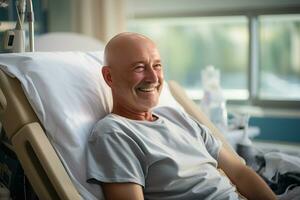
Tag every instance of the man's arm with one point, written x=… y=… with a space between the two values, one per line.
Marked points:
x=248 y=183
x=122 y=191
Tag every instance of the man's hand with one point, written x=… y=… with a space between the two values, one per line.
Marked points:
x=248 y=183
x=122 y=191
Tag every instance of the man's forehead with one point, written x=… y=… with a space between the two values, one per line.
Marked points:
x=131 y=47
x=138 y=47
x=141 y=52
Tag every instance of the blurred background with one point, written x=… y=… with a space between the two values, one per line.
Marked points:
x=254 y=44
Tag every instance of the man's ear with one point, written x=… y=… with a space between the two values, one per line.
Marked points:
x=107 y=75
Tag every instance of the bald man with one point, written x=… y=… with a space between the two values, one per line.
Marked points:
x=141 y=152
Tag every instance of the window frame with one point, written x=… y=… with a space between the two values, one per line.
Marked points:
x=254 y=64
x=252 y=16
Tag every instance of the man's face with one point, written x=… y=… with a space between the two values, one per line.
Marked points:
x=137 y=76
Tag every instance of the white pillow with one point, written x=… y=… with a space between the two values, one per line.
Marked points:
x=69 y=95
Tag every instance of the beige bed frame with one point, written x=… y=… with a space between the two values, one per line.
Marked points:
x=38 y=158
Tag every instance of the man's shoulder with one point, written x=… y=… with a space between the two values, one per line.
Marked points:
x=109 y=122
x=107 y=127
x=169 y=112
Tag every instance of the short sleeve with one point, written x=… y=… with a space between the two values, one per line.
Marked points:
x=212 y=144
x=114 y=157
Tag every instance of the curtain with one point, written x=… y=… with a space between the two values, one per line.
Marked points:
x=100 y=19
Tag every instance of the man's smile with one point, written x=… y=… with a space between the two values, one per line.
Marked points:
x=148 y=88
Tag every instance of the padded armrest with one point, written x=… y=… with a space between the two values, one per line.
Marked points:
x=42 y=165
x=190 y=107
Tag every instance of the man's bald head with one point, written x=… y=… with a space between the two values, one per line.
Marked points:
x=121 y=44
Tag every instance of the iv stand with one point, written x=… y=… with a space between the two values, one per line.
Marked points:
x=14 y=40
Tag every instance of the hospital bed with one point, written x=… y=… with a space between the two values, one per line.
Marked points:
x=48 y=104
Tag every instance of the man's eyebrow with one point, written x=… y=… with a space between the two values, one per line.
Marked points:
x=143 y=62
x=138 y=62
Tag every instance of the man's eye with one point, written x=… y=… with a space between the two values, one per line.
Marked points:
x=157 y=66
x=139 y=68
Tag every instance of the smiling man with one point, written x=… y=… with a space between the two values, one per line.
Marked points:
x=141 y=152
x=133 y=70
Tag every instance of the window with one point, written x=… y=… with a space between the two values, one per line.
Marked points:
x=258 y=54
x=188 y=45
x=280 y=57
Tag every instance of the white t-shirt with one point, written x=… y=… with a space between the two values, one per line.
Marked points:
x=173 y=158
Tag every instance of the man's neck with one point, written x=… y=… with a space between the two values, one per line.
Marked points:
x=143 y=116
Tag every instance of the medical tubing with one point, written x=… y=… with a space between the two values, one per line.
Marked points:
x=30 y=19
x=20 y=7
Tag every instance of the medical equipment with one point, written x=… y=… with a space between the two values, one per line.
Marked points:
x=213 y=102
x=3 y=3
x=244 y=125
x=14 y=40
x=62 y=95
x=244 y=147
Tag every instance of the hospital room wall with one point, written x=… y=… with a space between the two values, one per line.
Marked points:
x=59 y=16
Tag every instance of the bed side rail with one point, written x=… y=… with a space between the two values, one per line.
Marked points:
x=42 y=165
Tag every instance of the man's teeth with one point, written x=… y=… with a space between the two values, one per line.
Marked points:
x=147 y=89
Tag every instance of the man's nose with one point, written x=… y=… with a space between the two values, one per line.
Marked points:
x=151 y=75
